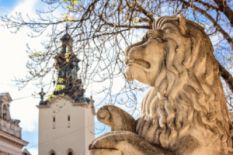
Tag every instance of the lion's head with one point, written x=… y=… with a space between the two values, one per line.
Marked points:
x=174 y=44
x=176 y=53
x=176 y=59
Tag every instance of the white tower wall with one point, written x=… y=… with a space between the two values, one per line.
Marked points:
x=65 y=125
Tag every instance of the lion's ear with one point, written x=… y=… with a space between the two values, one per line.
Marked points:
x=182 y=24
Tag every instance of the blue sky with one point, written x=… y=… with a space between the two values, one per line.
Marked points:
x=7 y=5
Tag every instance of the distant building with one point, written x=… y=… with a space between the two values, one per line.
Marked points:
x=11 y=142
x=66 y=119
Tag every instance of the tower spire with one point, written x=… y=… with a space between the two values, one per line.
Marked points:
x=66 y=63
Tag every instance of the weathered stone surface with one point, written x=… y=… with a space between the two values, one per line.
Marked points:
x=185 y=112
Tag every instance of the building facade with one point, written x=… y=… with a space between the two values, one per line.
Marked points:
x=11 y=142
x=66 y=118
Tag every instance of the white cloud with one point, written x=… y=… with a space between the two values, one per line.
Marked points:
x=12 y=64
x=26 y=111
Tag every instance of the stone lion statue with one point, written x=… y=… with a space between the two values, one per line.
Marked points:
x=185 y=111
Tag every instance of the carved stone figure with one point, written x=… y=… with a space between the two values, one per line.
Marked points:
x=185 y=111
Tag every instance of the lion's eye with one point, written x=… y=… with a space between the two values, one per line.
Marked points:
x=158 y=39
x=168 y=30
x=144 y=38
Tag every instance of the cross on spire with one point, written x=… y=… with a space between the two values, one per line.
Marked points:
x=42 y=94
x=67 y=27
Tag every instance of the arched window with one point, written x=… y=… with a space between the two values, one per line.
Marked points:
x=52 y=152
x=70 y=152
x=5 y=112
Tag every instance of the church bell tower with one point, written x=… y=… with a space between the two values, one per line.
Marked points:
x=66 y=118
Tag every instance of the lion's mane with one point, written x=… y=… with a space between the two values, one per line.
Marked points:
x=187 y=92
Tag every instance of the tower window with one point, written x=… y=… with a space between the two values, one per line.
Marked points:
x=54 y=122
x=70 y=152
x=68 y=123
x=52 y=153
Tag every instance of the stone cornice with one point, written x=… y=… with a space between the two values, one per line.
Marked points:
x=13 y=139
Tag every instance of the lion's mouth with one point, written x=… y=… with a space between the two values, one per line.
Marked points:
x=140 y=62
